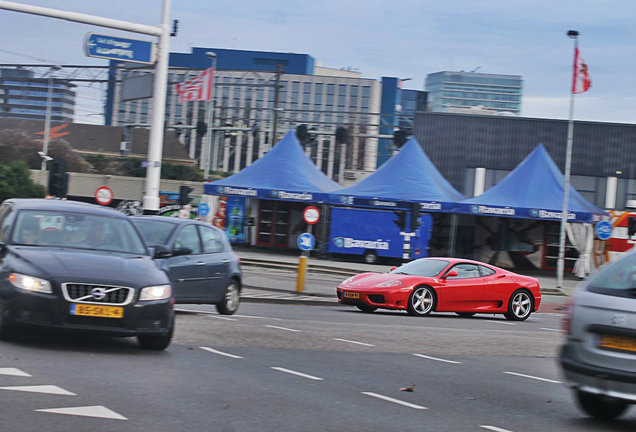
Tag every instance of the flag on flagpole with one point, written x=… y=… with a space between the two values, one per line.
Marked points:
x=198 y=88
x=582 y=80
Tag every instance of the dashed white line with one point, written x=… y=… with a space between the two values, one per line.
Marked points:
x=396 y=401
x=437 y=359
x=501 y=322
x=300 y=374
x=98 y=411
x=534 y=377
x=281 y=328
x=220 y=353
x=222 y=318
x=258 y=317
x=551 y=329
x=353 y=342
x=13 y=372
x=494 y=428
x=49 y=389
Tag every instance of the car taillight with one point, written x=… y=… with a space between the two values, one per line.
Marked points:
x=566 y=324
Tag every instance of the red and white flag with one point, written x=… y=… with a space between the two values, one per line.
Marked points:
x=198 y=88
x=582 y=80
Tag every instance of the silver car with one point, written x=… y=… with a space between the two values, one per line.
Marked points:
x=598 y=358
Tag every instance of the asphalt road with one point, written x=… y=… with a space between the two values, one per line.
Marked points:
x=278 y=367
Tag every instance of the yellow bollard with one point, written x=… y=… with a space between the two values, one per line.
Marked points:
x=302 y=269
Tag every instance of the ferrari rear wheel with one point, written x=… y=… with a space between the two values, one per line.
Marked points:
x=422 y=301
x=366 y=308
x=519 y=306
x=465 y=314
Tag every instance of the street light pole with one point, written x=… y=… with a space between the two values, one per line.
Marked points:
x=47 y=117
x=209 y=139
x=572 y=34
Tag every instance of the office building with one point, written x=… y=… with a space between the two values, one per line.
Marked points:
x=474 y=93
x=23 y=95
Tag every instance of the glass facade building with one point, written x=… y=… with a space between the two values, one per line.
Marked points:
x=474 y=93
x=24 y=96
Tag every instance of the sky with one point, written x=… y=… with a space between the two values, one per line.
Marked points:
x=400 y=38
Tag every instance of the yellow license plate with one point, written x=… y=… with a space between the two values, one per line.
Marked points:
x=618 y=342
x=97 y=311
x=348 y=294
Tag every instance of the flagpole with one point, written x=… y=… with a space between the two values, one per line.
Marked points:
x=573 y=34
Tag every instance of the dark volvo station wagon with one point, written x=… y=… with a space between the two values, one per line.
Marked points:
x=78 y=266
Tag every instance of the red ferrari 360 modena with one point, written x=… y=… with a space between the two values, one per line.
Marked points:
x=444 y=285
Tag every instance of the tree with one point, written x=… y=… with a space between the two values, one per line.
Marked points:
x=15 y=182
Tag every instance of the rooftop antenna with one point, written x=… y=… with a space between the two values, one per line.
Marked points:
x=476 y=69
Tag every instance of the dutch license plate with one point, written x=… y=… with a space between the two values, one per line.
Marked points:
x=354 y=295
x=618 y=343
x=97 y=311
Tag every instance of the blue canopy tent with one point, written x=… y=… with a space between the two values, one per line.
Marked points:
x=408 y=177
x=284 y=173
x=533 y=190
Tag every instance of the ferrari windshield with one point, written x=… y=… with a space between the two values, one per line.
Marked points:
x=422 y=267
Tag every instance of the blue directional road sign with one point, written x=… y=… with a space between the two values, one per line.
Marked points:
x=603 y=230
x=119 y=48
x=306 y=241
x=203 y=209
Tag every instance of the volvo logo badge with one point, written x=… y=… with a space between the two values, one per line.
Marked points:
x=98 y=293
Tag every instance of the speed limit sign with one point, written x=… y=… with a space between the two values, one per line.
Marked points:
x=311 y=215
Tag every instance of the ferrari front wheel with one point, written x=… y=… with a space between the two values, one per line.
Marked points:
x=421 y=301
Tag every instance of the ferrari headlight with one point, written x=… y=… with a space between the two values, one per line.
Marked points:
x=390 y=283
x=158 y=292
x=30 y=283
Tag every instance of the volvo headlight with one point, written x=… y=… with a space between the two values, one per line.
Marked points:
x=158 y=292
x=30 y=283
x=390 y=283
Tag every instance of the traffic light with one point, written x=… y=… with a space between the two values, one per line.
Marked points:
x=184 y=195
x=58 y=178
x=399 y=137
x=175 y=28
x=401 y=219
x=342 y=135
x=302 y=133
x=202 y=128
x=415 y=217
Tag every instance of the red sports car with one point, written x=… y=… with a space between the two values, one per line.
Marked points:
x=444 y=285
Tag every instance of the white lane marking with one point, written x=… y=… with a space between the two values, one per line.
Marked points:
x=87 y=411
x=436 y=359
x=50 y=389
x=281 y=328
x=208 y=313
x=549 y=329
x=222 y=318
x=220 y=353
x=397 y=401
x=501 y=322
x=353 y=342
x=13 y=372
x=534 y=377
x=258 y=317
x=300 y=374
x=494 y=428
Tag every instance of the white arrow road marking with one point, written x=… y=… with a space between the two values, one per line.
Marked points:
x=13 y=371
x=87 y=411
x=50 y=389
x=397 y=401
